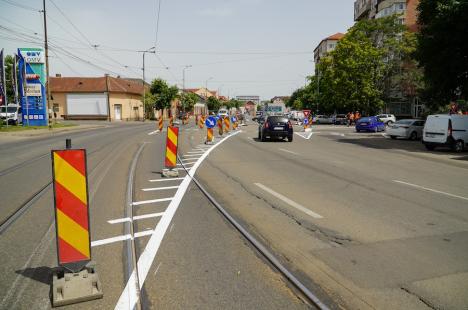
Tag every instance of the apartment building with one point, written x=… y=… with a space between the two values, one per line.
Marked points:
x=326 y=46
x=369 y=9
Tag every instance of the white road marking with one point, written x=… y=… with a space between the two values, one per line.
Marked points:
x=120 y=238
x=304 y=135
x=195 y=152
x=144 y=202
x=158 y=188
x=287 y=151
x=157 y=268
x=197 y=155
x=289 y=201
x=137 y=217
x=337 y=134
x=431 y=190
x=153 y=132
x=129 y=297
x=164 y=180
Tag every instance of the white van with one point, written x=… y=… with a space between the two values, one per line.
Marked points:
x=446 y=130
x=12 y=113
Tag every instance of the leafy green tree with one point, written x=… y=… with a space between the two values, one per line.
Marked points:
x=163 y=94
x=443 y=50
x=213 y=103
x=188 y=100
x=9 y=60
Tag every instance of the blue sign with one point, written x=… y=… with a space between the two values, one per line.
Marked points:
x=306 y=121
x=210 y=122
x=233 y=119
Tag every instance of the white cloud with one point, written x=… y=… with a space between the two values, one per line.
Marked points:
x=216 y=12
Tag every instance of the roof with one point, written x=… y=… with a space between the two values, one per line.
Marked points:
x=284 y=98
x=337 y=36
x=94 y=84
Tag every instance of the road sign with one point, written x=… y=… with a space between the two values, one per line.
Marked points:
x=210 y=122
x=71 y=208
x=306 y=121
x=171 y=147
x=233 y=119
x=306 y=113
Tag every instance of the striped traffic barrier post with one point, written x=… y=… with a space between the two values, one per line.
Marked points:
x=227 y=124
x=201 y=121
x=76 y=279
x=209 y=135
x=160 y=123
x=170 y=161
x=220 y=126
x=171 y=121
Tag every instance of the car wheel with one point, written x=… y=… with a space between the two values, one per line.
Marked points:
x=459 y=146
x=262 y=138
x=393 y=137
x=357 y=130
x=413 y=135
x=290 y=138
x=389 y=123
x=429 y=147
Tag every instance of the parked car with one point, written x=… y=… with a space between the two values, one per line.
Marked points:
x=323 y=119
x=12 y=113
x=371 y=123
x=275 y=127
x=258 y=116
x=340 y=119
x=446 y=130
x=388 y=119
x=406 y=128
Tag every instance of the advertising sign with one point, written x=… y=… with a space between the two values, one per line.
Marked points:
x=31 y=83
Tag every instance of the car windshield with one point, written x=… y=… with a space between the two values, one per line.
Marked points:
x=9 y=109
x=404 y=122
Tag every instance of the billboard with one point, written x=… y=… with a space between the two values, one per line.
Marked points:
x=31 y=82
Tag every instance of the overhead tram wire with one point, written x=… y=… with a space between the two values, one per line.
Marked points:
x=21 y=6
x=157 y=23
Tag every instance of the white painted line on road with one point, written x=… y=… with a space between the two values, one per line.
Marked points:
x=158 y=188
x=431 y=190
x=337 y=134
x=289 y=201
x=138 y=217
x=195 y=152
x=129 y=297
x=164 y=180
x=145 y=202
x=120 y=238
x=287 y=151
x=192 y=155
x=153 y=132
x=304 y=135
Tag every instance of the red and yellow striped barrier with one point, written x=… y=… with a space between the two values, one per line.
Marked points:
x=160 y=123
x=171 y=147
x=227 y=124
x=201 y=121
x=71 y=208
x=220 y=126
x=209 y=135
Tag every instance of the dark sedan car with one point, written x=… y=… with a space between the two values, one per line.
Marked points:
x=275 y=127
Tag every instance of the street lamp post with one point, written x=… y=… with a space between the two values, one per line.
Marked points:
x=150 y=50
x=206 y=86
x=183 y=76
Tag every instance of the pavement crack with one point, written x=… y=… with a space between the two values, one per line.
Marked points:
x=427 y=303
x=323 y=234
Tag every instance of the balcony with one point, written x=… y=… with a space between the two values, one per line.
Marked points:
x=361 y=9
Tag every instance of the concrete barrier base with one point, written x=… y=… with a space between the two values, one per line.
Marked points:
x=170 y=173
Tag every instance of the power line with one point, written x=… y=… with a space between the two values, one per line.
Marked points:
x=157 y=23
x=21 y=6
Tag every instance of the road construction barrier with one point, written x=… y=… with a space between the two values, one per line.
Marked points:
x=171 y=121
x=209 y=135
x=227 y=124
x=71 y=201
x=201 y=121
x=170 y=161
x=220 y=126
x=160 y=123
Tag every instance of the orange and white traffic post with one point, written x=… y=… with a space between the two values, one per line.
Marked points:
x=209 y=135
x=201 y=120
x=227 y=124
x=77 y=279
x=170 y=161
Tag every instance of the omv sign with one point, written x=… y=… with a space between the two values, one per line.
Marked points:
x=33 y=57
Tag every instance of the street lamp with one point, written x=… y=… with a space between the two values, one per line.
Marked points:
x=183 y=76
x=150 y=50
x=206 y=86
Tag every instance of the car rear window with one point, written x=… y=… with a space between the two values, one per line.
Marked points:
x=278 y=119
x=366 y=119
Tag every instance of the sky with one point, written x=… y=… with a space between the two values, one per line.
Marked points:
x=237 y=47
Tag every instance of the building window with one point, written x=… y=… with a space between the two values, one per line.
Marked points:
x=56 y=107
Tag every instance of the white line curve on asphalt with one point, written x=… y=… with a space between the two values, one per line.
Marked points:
x=431 y=190
x=304 y=135
x=287 y=151
x=289 y=201
x=129 y=298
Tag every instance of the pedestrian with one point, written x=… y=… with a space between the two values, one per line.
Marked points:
x=351 y=118
x=453 y=108
x=357 y=116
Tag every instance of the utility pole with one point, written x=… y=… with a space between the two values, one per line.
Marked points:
x=183 y=82
x=150 y=50
x=206 y=87
x=46 y=48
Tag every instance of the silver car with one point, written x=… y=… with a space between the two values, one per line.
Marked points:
x=406 y=128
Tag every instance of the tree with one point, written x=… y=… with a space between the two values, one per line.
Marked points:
x=443 y=50
x=163 y=94
x=188 y=100
x=213 y=103
x=9 y=60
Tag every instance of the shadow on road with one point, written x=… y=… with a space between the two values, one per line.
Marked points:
x=415 y=147
x=41 y=274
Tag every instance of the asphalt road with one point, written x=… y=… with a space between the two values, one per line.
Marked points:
x=365 y=221
x=201 y=261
